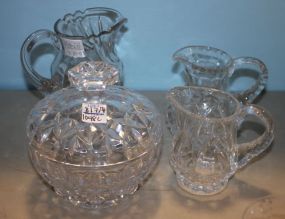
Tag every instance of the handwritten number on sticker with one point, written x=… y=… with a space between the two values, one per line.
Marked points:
x=94 y=113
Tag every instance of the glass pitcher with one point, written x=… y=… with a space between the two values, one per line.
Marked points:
x=206 y=66
x=211 y=67
x=205 y=152
x=88 y=35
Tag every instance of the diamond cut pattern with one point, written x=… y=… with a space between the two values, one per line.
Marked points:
x=92 y=164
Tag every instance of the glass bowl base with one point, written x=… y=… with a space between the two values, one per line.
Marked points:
x=98 y=202
x=198 y=189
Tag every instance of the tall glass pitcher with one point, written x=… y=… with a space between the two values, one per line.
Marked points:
x=88 y=35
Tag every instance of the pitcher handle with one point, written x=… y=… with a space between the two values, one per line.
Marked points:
x=248 y=95
x=251 y=149
x=43 y=84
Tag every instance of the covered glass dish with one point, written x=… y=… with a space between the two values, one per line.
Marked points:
x=94 y=142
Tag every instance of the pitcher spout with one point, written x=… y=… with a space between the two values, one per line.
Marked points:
x=182 y=55
x=117 y=27
x=93 y=22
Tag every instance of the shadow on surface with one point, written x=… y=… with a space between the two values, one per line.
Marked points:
x=236 y=190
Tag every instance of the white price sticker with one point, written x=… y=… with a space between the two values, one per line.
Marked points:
x=94 y=113
x=73 y=48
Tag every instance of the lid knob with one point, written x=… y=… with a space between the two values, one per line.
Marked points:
x=94 y=75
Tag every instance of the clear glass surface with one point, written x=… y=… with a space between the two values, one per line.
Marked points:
x=82 y=36
x=93 y=74
x=205 y=152
x=214 y=68
x=270 y=207
x=211 y=67
x=94 y=164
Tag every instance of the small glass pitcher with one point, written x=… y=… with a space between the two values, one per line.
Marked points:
x=210 y=67
x=205 y=151
x=90 y=35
